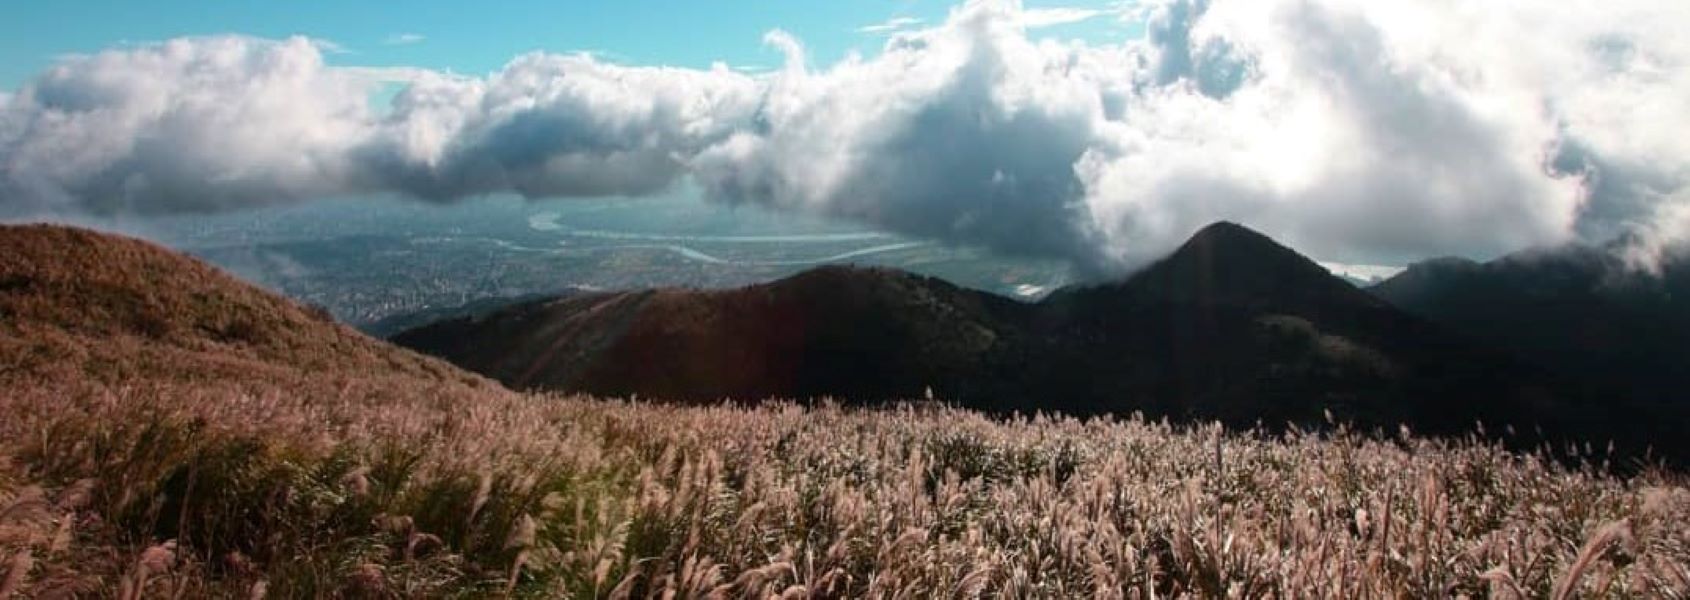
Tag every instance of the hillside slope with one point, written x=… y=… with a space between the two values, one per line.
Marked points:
x=864 y=334
x=80 y=309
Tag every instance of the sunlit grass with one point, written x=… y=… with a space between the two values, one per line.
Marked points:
x=198 y=491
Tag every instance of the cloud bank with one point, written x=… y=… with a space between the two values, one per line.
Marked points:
x=1358 y=131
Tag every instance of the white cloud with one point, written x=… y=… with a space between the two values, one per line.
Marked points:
x=550 y=125
x=403 y=39
x=1362 y=132
x=1033 y=18
x=1358 y=131
x=212 y=123
x=191 y=124
x=892 y=25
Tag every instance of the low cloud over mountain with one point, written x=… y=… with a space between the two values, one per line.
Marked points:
x=1358 y=131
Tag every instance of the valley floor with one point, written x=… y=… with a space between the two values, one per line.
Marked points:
x=189 y=490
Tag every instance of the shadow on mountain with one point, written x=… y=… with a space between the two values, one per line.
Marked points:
x=1231 y=326
x=1576 y=310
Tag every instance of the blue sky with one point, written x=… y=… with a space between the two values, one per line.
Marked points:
x=475 y=38
x=1362 y=132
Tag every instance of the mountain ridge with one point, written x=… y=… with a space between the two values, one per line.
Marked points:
x=1232 y=326
x=745 y=343
x=1576 y=309
x=85 y=311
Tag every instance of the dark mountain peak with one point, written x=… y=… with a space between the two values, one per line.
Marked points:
x=1228 y=245
x=1230 y=233
x=1228 y=263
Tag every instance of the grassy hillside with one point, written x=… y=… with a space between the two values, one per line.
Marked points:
x=77 y=305
x=300 y=459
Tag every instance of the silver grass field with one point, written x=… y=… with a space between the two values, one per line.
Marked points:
x=170 y=491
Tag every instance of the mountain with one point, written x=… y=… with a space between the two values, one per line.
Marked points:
x=81 y=310
x=168 y=431
x=1235 y=326
x=1231 y=326
x=1229 y=264
x=848 y=333
x=1579 y=310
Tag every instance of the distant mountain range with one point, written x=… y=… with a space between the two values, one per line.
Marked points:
x=1231 y=326
x=1577 y=310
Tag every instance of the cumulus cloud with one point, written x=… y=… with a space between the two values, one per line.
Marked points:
x=214 y=123
x=185 y=125
x=549 y=126
x=1359 y=131
x=965 y=132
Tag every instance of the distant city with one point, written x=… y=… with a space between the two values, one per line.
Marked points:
x=372 y=260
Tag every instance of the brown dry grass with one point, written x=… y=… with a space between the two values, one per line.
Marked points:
x=302 y=460
x=201 y=491
x=75 y=304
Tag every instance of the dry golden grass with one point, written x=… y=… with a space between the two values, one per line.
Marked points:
x=77 y=305
x=200 y=491
x=146 y=451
